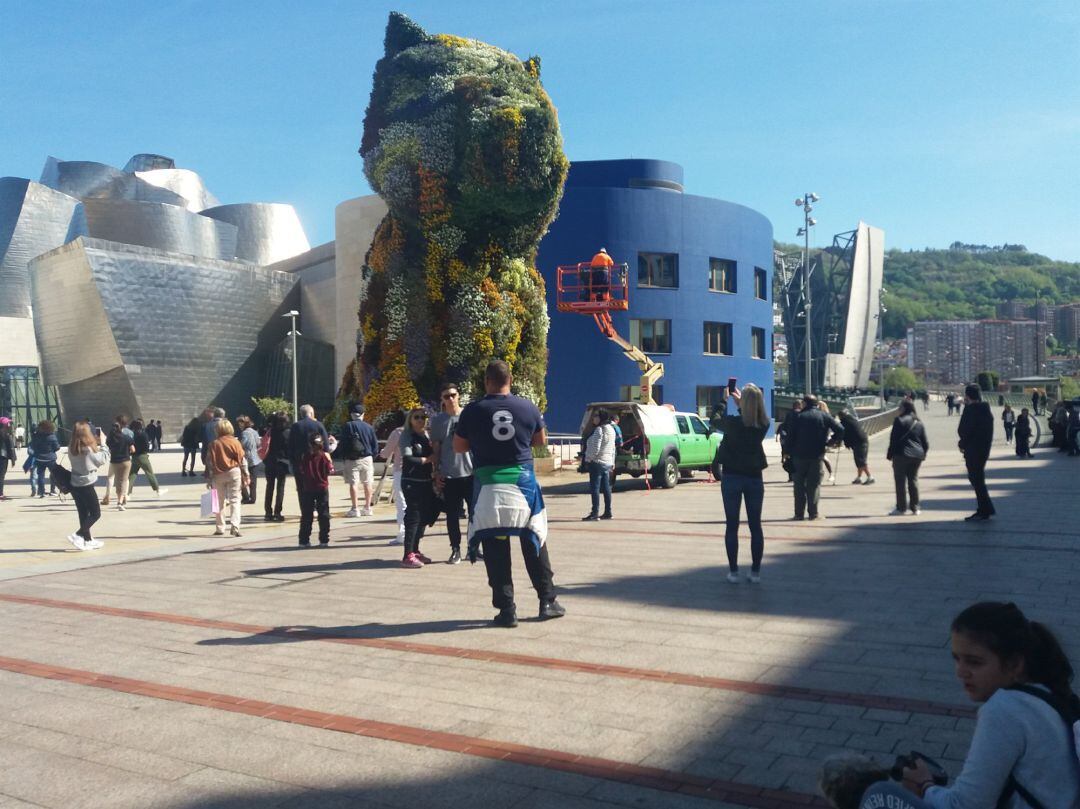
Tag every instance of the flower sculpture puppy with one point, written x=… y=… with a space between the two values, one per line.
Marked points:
x=463 y=144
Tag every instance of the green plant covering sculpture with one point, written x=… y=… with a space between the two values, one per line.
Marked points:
x=463 y=144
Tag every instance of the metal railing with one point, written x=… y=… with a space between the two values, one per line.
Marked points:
x=879 y=421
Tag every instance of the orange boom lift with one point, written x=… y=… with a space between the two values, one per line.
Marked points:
x=597 y=288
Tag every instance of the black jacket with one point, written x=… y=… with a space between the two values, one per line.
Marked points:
x=811 y=430
x=740 y=451
x=907 y=439
x=854 y=434
x=976 y=430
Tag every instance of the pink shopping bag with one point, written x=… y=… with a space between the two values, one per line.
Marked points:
x=209 y=503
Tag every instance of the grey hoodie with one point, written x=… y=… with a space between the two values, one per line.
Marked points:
x=84 y=467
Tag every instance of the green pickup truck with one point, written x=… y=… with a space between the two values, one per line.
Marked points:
x=659 y=441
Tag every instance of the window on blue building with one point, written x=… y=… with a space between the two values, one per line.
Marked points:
x=651 y=336
x=761 y=284
x=757 y=343
x=718 y=339
x=709 y=397
x=722 y=276
x=658 y=270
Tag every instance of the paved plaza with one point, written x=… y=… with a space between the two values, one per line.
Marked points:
x=174 y=669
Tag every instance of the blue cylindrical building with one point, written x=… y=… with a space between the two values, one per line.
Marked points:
x=700 y=290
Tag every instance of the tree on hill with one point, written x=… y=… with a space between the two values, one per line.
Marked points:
x=901 y=378
x=966 y=282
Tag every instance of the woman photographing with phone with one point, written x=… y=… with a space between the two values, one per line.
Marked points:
x=1022 y=755
x=742 y=460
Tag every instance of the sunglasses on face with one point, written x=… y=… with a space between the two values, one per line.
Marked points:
x=449 y=395
x=419 y=418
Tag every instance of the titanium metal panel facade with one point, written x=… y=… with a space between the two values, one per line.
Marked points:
x=184 y=183
x=267 y=232
x=154 y=334
x=163 y=227
x=33 y=219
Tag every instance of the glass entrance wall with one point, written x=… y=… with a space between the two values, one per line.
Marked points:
x=26 y=401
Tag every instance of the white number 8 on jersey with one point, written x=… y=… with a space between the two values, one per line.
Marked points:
x=503 y=427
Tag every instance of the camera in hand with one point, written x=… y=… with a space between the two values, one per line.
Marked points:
x=937 y=772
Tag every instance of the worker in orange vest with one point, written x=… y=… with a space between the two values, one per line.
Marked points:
x=600 y=280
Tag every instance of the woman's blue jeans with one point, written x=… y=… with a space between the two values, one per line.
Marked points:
x=600 y=481
x=37 y=478
x=736 y=488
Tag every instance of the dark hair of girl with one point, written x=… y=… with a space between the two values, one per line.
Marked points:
x=137 y=426
x=907 y=408
x=602 y=415
x=1003 y=629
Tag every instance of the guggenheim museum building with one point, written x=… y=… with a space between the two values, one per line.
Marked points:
x=135 y=291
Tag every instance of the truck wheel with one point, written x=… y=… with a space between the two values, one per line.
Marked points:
x=667 y=473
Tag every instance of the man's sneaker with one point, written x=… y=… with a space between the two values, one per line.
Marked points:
x=94 y=544
x=121 y=507
x=104 y=501
x=590 y=518
x=219 y=532
x=832 y=478
x=162 y=492
x=916 y=511
x=278 y=518
x=366 y=511
x=551 y=609
x=397 y=541
x=606 y=515
x=506 y=618
x=798 y=517
x=857 y=480
x=234 y=531
x=352 y=512
x=455 y=557
x=733 y=577
x=425 y=559
x=868 y=481
x=897 y=512
x=411 y=561
x=77 y=541
x=268 y=517
x=816 y=517
x=754 y=577
x=977 y=517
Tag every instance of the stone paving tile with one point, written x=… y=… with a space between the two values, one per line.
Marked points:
x=646 y=591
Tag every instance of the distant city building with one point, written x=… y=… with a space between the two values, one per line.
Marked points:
x=1067 y=324
x=954 y=351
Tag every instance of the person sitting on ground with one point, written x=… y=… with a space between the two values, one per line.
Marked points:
x=856 y=439
x=846 y=777
x=1022 y=753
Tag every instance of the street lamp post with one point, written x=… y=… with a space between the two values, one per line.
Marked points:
x=881 y=346
x=292 y=315
x=805 y=202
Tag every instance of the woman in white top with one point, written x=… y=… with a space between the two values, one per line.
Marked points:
x=1022 y=753
x=600 y=460
x=86 y=457
x=392 y=455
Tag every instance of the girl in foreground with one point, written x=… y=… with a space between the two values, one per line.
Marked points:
x=1022 y=752
x=86 y=457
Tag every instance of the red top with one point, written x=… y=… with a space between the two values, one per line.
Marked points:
x=314 y=472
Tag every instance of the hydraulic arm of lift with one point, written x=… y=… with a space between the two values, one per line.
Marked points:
x=651 y=371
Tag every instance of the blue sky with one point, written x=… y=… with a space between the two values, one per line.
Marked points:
x=933 y=119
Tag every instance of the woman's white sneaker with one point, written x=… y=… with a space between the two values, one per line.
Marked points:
x=94 y=544
x=733 y=578
x=77 y=541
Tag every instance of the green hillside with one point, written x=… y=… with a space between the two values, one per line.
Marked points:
x=966 y=281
